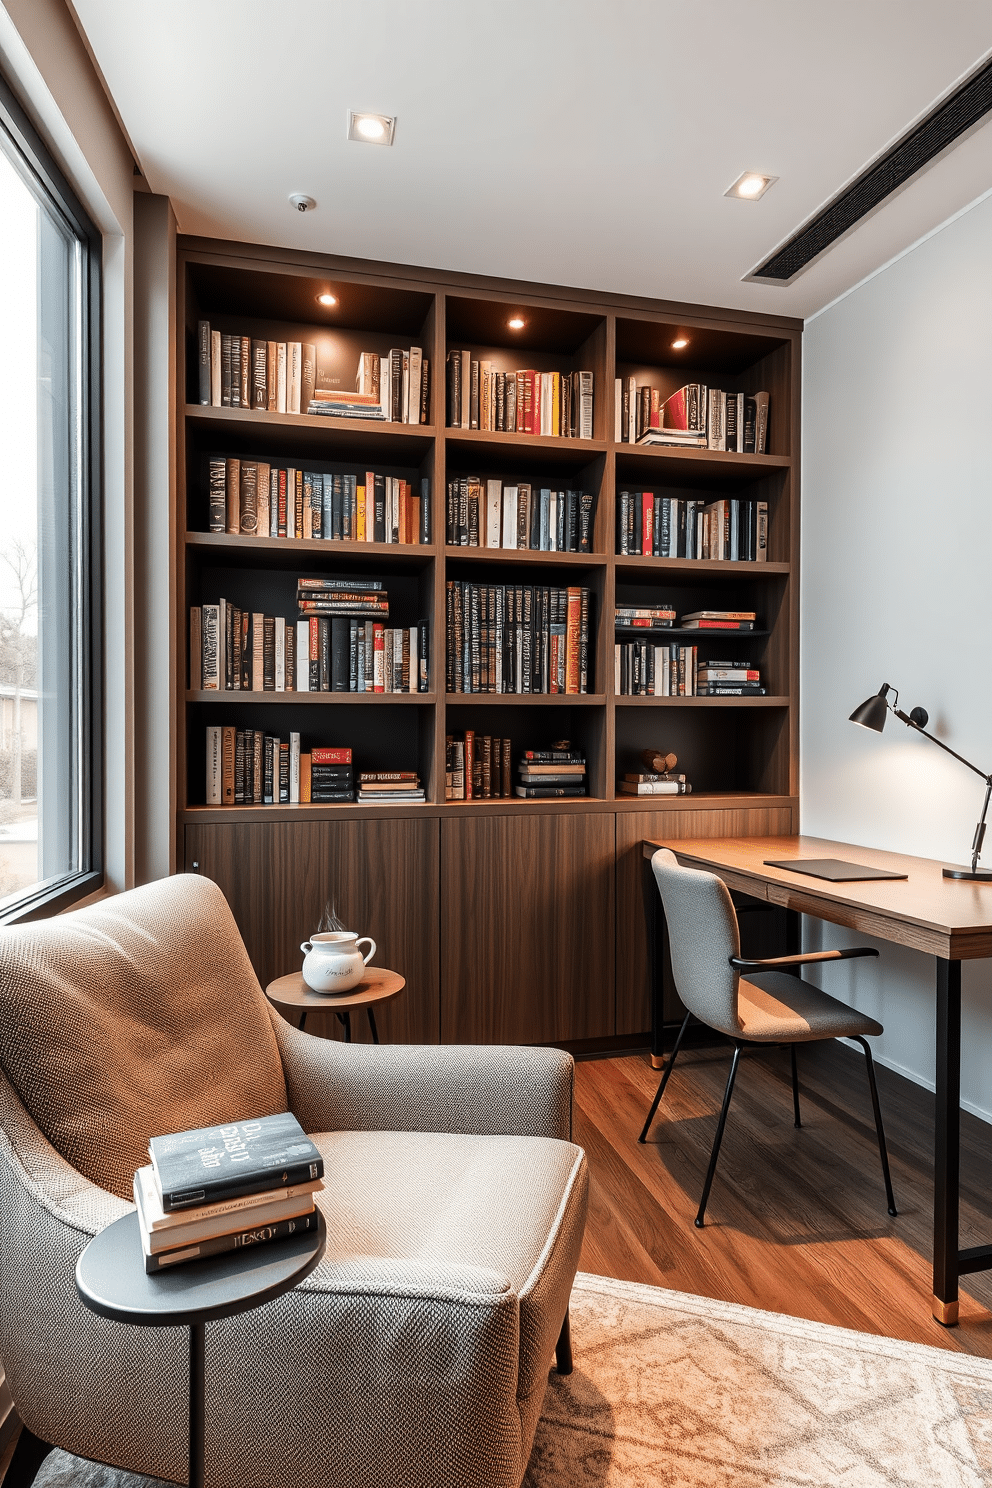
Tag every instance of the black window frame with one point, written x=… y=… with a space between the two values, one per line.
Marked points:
x=54 y=894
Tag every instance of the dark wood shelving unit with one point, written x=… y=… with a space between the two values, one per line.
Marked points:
x=437 y=883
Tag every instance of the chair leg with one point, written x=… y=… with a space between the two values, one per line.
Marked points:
x=563 y=1349
x=719 y=1136
x=795 y=1084
x=878 y=1125
x=664 y=1079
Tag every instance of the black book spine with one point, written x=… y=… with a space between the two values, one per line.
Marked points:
x=656 y=549
x=449 y=636
x=340 y=653
x=454 y=389
x=268 y=769
x=396 y=384
x=473 y=405
x=425 y=509
x=572 y=500
x=623 y=501
x=217 y=519
x=585 y=521
x=237 y=1187
x=379 y=510
x=283 y=748
x=336 y=508
x=259 y=385
x=225 y=370
x=423 y=657
x=198 y=1250
x=750 y=425
x=461 y=532
x=203 y=361
x=534 y=536
x=451 y=514
x=269 y=653
x=324 y=653
x=425 y=391
x=560 y=524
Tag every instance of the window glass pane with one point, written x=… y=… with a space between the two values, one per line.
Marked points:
x=41 y=609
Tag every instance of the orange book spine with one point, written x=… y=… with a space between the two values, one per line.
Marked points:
x=404 y=511
x=360 y=515
x=304 y=780
x=573 y=628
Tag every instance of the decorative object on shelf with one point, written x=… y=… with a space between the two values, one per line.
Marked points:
x=332 y=961
x=872 y=713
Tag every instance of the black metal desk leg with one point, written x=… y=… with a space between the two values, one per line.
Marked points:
x=793 y=933
x=947 y=1143
x=196 y=1405
x=375 y=1031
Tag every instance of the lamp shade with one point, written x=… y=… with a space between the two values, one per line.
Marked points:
x=872 y=712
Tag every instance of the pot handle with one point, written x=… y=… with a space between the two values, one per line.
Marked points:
x=307 y=947
x=368 y=958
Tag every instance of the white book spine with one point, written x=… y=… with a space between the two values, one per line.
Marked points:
x=222 y=645
x=510 y=517
x=397 y=660
x=416 y=378
x=214 y=735
x=281 y=377
x=494 y=501
x=294 y=769
x=385 y=386
x=553 y=523
x=616 y=669
x=405 y=395
x=303 y=656
x=631 y=410
x=280 y=654
x=273 y=503
x=294 y=376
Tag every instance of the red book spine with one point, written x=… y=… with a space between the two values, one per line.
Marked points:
x=647 y=522
x=521 y=402
x=282 y=503
x=469 y=762
x=330 y=756
x=573 y=626
x=378 y=658
x=535 y=402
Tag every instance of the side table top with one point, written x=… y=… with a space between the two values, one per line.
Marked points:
x=111 y=1278
x=377 y=985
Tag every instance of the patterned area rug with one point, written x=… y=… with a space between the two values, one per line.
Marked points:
x=683 y=1391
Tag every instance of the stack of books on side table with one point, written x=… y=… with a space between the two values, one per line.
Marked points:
x=221 y=1188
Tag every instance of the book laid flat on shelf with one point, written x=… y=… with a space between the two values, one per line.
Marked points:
x=728 y=529
x=491 y=514
x=255 y=498
x=718 y=620
x=225 y=1161
x=556 y=404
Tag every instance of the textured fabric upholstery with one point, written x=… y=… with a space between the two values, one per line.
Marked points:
x=774 y=1007
x=137 y=1016
x=702 y=936
x=414 y=1356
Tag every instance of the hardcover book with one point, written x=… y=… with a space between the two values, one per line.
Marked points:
x=239 y=1157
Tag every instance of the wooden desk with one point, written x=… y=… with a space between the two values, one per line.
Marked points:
x=951 y=921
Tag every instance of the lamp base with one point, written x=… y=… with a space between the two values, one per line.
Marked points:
x=980 y=875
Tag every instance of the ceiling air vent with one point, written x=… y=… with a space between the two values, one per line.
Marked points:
x=940 y=128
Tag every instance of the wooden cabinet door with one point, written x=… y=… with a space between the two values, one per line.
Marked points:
x=381 y=878
x=527 y=928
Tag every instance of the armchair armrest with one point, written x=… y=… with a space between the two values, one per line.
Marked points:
x=778 y=963
x=484 y=1091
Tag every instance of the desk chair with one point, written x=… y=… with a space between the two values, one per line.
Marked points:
x=770 y=1005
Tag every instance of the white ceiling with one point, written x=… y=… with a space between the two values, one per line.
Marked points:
x=584 y=143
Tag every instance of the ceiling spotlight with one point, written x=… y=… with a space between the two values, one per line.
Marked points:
x=326 y=299
x=371 y=129
x=302 y=203
x=680 y=343
x=750 y=186
x=516 y=323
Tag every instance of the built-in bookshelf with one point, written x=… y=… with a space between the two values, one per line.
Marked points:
x=739 y=753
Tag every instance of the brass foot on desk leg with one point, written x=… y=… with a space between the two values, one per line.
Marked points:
x=657 y=1061
x=945 y=1313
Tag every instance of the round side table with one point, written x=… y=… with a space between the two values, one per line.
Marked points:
x=111 y=1281
x=290 y=994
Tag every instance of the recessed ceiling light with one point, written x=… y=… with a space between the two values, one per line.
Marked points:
x=680 y=343
x=371 y=129
x=326 y=299
x=750 y=186
x=516 y=323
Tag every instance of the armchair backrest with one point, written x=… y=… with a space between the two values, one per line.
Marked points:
x=137 y=1016
x=702 y=936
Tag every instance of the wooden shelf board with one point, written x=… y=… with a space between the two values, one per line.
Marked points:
x=702 y=702
x=461 y=444
x=530 y=699
x=315 y=432
x=293 y=549
x=523 y=555
x=292 y=699
x=710 y=568
x=643 y=632
x=700 y=459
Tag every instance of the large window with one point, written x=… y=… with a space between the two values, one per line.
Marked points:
x=49 y=759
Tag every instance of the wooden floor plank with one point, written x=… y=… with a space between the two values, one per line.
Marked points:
x=797 y=1220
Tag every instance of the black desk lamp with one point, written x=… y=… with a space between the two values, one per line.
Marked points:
x=872 y=715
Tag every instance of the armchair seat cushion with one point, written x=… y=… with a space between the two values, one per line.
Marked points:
x=774 y=1007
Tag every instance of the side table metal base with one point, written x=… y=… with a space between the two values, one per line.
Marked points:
x=197 y=1405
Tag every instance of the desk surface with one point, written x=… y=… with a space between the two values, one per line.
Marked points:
x=943 y=917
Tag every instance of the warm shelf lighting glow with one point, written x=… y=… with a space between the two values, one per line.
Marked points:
x=680 y=344
x=750 y=186
x=326 y=299
x=517 y=323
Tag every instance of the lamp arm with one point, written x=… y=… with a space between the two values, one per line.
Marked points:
x=976 y=846
x=905 y=718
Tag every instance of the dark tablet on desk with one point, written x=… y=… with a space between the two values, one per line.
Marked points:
x=833 y=868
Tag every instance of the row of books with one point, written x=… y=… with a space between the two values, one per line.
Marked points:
x=526 y=401
x=730 y=528
x=523 y=638
x=662 y=617
x=257 y=499
x=228 y=1187
x=247 y=767
x=696 y=416
x=479 y=767
x=647 y=669
x=495 y=515
x=238 y=371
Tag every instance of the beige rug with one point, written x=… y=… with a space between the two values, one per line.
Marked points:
x=676 y=1390
x=672 y=1389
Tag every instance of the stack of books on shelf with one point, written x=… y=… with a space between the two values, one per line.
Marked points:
x=344 y=645
x=476 y=767
x=675 y=527
x=237 y=371
x=254 y=498
x=247 y=767
x=523 y=402
x=382 y=786
x=224 y=1188
x=644 y=617
x=655 y=777
x=696 y=416
x=719 y=620
x=493 y=515
x=235 y=650
x=545 y=774
x=715 y=678
x=524 y=638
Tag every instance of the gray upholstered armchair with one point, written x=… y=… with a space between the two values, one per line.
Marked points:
x=416 y=1355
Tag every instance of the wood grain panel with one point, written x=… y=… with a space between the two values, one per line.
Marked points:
x=527 y=928
x=381 y=877
x=633 y=964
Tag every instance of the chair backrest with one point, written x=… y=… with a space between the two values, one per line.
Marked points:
x=138 y=1016
x=702 y=936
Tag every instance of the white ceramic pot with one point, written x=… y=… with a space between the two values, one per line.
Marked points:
x=333 y=961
